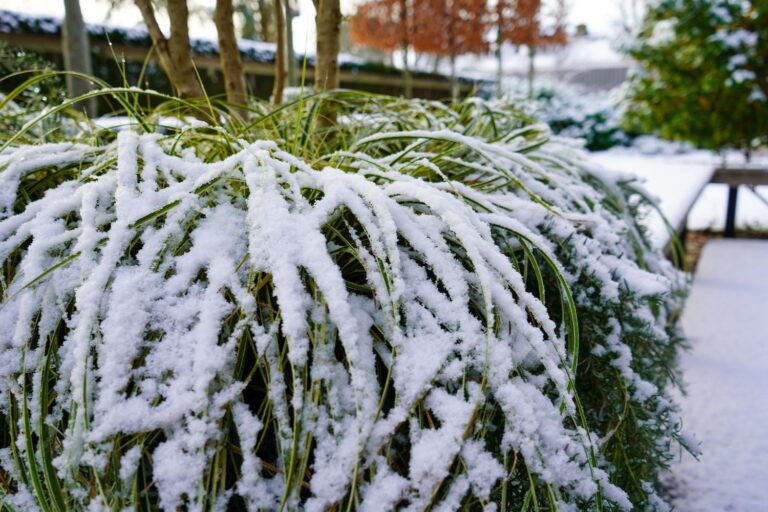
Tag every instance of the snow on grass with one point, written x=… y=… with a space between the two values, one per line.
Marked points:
x=200 y=324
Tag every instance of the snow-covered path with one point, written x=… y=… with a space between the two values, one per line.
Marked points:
x=726 y=373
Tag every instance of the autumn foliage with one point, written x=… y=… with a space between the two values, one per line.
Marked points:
x=383 y=24
x=441 y=27
x=450 y=27
x=453 y=27
x=519 y=23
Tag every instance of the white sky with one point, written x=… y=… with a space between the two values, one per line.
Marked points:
x=601 y=16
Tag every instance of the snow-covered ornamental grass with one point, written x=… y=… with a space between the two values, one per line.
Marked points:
x=423 y=307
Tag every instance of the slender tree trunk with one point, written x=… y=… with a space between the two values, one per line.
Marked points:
x=248 y=30
x=174 y=52
x=277 y=90
x=328 y=21
x=77 y=54
x=229 y=54
x=158 y=38
x=407 y=78
x=436 y=63
x=265 y=20
x=454 y=79
x=290 y=54
x=499 y=58
x=531 y=70
x=181 y=49
x=452 y=44
x=328 y=28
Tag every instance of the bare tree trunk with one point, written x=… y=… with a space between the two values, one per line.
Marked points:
x=449 y=24
x=265 y=20
x=407 y=78
x=454 y=79
x=531 y=70
x=181 y=49
x=77 y=54
x=435 y=63
x=229 y=54
x=328 y=28
x=277 y=90
x=174 y=52
x=248 y=30
x=290 y=54
x=328 y=21
x=499 y=61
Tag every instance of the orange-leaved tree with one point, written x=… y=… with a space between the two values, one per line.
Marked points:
x=520 y=22
x=386 y=25
x=450 y=28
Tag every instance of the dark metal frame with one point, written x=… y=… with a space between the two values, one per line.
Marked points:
x=750 y=175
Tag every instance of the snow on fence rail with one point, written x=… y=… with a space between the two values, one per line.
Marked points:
x=194 y=324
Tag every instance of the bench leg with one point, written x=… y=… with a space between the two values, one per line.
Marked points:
x=730 y=216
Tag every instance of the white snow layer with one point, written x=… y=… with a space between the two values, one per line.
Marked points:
x=726 y=319
x=680 y=183
x=674 y=181
x=152 y=265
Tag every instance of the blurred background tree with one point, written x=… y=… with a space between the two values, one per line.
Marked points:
x=328 y=33
x=388 y=26
x=442 y=28
x=704 y=73
x=256 y=19
x=448 y=28
x=519 y=22
x=76 y=49
x=229 y=56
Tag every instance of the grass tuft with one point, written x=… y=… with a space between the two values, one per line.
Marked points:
x=421 y=306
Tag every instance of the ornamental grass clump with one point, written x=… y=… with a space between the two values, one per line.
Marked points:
x=421 y=307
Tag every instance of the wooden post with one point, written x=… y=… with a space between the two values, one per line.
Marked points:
x=730 y=216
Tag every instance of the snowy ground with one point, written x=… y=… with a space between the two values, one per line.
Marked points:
x=726 y=319
x=726 y=407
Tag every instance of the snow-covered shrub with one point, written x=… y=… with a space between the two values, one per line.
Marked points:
x=594 y=116
x=701 y=69
x=424 y=307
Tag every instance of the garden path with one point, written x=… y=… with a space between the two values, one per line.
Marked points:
x=726 y=376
